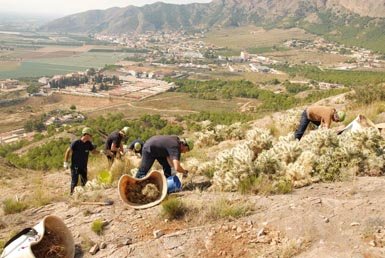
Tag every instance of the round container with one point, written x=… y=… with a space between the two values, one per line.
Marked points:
x=173 y=184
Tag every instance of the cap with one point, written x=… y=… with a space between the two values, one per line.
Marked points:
x=87 y=130
x=125 y=130
x=341 y=116
x=137 y=146
x=185 y=143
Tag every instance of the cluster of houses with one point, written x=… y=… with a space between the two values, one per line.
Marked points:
x=359 y=57
x=9 y=84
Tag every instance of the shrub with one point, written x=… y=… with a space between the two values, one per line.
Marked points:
x=104 y=177
x=225 y=209
x=173 y=208
x=98 y=226
x=265 y=186
x=11 y=206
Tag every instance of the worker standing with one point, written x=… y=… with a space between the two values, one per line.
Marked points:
x=167 y=150
x=114 y=144
x=79 y=152
x=320 y=116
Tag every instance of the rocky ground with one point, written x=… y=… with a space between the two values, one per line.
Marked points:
x=342 y=219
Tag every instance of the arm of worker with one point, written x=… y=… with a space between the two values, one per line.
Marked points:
x=95 y=151
x=114 y=147
x=326 y=122
x=67 y=155
x=177 y=166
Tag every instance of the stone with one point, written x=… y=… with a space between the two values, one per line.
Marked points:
x=261 y=232
x=326 y=220
x=354 y=224
x=94 y=249
x=239 y=230
x=158 y=233
x=225 y=228
x=103 y=245
x=128 y=241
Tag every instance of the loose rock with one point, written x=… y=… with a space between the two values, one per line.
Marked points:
x=94 y=249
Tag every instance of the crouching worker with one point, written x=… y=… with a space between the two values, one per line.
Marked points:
x=114 y=144
x=79 y=151
x=136 y=147
x=320 y=116
x=167 y=150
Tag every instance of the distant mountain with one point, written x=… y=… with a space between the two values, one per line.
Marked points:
x=352 y=20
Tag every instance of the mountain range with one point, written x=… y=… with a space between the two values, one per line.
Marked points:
x=357 y=21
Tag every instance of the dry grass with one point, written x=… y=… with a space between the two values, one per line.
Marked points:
x=225 y=209
x=173 y=208
x=265 y=186
x=371 y=111
x=292 y=248
x=11 y=206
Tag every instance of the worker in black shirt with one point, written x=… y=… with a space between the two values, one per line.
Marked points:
x=136 y=147
x=114 y=144
x=167 y=150
x=79 y=151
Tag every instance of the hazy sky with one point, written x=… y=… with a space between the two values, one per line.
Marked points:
x=75 y=6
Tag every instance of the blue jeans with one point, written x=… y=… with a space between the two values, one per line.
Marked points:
x=148 y=161
x=304 y=122
x=75 y=173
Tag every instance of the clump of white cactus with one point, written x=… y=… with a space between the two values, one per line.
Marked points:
x=259 y=139
x=320 y=155
x=300 y=172
x=290 y=120
x=205 y=139
x=232 y=166
x=192 y=164
x=213 y=135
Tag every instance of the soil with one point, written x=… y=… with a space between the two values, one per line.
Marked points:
x=341 y=219
x=50 y=246
x=143 y=192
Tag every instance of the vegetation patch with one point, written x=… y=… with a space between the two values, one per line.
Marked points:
x=11 y=206
x=97 y=226
x=263 y=185
x=226 y=209
x=173 y=208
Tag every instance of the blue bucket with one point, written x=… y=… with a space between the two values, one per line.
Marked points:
x=173 y=184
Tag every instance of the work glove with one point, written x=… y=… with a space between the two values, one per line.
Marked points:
x=65 y=165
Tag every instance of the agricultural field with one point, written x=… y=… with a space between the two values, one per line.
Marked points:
x=250 y=37
x=35 y=56
x=59 y=65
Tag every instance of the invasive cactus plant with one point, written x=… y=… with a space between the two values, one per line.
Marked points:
x=320 y=155
x=232 y=166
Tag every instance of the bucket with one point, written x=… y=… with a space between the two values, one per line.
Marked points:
x=29 y=242
x=155 y=176
x=173 y=184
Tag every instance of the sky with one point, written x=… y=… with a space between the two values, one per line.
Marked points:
x=65 y=7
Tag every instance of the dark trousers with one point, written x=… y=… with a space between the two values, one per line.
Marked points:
x=75 y=174
x=148 y=161
x=304 y=122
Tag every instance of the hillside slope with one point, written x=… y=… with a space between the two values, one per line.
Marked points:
x=325 y=220
x=351 y=22
x=161 y=16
